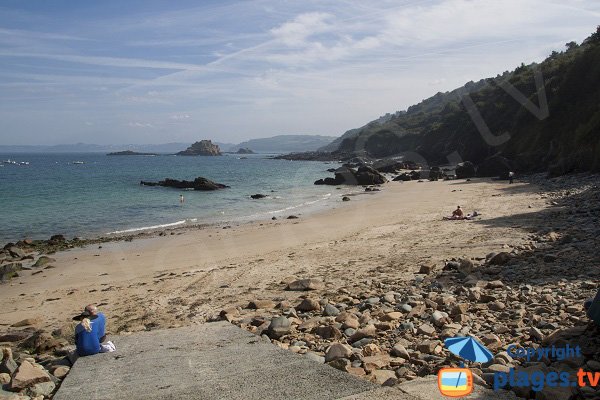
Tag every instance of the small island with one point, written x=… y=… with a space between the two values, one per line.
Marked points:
x=130 y=153
x=200 y=183
x=244 y=151
x=201 y=148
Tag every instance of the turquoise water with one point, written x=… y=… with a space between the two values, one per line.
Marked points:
x=52 y=195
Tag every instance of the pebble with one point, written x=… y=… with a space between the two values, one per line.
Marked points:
x=337 y=351
x=426 y=329
x=308 y=305
x=330 y=311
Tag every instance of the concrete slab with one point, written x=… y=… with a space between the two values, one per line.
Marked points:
x=210 y=361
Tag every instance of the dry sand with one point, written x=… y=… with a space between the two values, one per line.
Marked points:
x=181 y=279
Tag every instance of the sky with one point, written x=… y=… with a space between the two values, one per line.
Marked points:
x=147 y=71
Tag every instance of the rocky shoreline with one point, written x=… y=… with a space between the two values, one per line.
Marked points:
x=389 y=331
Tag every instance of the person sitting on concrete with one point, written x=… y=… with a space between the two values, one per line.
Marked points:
x=87 y=340
x=88 y=334
x=100 y=320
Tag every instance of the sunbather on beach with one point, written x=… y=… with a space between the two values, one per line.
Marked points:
x=456 y=214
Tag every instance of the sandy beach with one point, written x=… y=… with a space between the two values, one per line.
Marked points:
x=188 y=277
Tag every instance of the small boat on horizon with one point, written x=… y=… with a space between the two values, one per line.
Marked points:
x=13 y=162
x=78 y=162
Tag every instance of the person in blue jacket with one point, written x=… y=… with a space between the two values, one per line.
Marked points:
x=100 y=320
x=90 y=333
x=87 y=339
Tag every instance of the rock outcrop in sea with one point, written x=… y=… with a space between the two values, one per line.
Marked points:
x=364 y=175
x=201 y=148
x=199 y=183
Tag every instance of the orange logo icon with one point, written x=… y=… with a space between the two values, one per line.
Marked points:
x=455 y=382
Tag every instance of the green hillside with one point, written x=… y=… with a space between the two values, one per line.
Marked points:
x=565 y=139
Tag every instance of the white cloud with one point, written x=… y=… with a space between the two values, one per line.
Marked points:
x=295 y=32
x=180 y=117
x=138 y=124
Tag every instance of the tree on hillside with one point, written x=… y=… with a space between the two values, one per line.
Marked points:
x=571 y=46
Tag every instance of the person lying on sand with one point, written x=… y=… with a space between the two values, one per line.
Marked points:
x=89 y=332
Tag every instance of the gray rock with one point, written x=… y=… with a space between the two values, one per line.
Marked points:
x=16 y=252
x=405 y=326
x=349 y=332
x=42 y=261
x=8 y=365
x=405 y=308
x=44 y=389
x=362 y=343
x=331 y=311
x=315 y=357
x=279 y=327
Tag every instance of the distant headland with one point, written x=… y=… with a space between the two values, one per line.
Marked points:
x=130 y=153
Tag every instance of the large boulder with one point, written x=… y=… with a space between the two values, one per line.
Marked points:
x=465 y=170
x=199 y=183
x=495 y=166
x=435 y=173
x=42 y=261
x=347 y=176
x=201 y=148
x=369 y=176
x=16 y=252
x=8 y=271
x=28 y=375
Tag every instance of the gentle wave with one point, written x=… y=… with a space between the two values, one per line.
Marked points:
x=145 y=228
x=306 y=203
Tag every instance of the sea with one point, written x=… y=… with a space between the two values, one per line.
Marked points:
x=89 y=195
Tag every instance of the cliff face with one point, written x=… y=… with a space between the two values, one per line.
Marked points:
x=201 y=148
x=562 y=137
